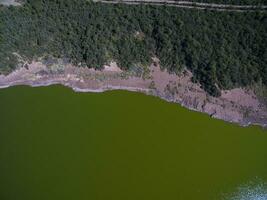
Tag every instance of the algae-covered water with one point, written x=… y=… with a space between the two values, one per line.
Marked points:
x=57 y=144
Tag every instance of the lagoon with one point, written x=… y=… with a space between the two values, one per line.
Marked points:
x=58 y=144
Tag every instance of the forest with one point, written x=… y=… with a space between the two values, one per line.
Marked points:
x=223 y=50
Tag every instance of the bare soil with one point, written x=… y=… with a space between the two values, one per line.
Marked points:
x=237 y=105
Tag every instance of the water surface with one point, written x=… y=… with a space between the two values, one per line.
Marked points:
x=58 y=144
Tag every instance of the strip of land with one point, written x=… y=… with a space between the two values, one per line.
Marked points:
x=173 y=3
x=237 y=105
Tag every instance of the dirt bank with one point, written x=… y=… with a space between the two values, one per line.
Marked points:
x=238 y=105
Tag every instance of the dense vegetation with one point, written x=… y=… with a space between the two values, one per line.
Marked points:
x=223 y=50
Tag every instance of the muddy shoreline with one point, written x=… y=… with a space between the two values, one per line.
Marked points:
x=239 y=106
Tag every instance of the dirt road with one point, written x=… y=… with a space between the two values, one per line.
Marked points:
x=190 y=5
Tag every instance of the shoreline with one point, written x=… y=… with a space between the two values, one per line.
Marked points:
x=130 y=89
x=239 y=106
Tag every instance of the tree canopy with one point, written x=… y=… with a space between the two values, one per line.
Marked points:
x=223 y=50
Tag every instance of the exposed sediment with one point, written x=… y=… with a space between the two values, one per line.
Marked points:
x=238 y=105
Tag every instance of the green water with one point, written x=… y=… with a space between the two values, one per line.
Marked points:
x=57 y=144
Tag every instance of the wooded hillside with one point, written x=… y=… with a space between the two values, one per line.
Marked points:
x=222 y=49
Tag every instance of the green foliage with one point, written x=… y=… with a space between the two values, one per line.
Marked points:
x=222 y=49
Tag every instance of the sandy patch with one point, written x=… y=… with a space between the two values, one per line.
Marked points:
x=9 y=2
x=112 y=67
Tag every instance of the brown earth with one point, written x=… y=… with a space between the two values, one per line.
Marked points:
x=237 y=105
